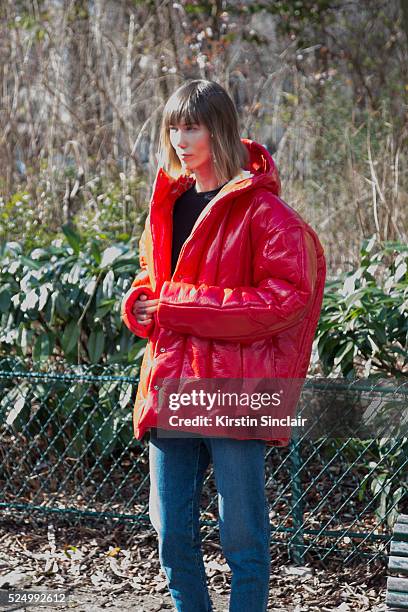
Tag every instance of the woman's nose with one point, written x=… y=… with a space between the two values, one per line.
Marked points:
x=179 y=140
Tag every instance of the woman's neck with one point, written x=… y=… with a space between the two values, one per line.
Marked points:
x=206 y=179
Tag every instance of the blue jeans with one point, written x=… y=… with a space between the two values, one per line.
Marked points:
x=177 y=470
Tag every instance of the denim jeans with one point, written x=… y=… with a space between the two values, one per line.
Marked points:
x=177 y=470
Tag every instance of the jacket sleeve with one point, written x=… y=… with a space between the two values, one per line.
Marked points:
x=285 y=268
x=141 y=284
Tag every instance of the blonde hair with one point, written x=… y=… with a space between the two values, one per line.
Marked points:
x=204 y=102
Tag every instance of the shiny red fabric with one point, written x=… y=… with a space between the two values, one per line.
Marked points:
x=246 y=294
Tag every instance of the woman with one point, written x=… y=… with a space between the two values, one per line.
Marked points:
x=230 y=287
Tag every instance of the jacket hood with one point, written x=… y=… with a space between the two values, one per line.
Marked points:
x=260 y=171
x=261 y=166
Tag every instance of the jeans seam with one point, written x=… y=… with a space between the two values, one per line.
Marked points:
x=267 y=535
x=197 y=553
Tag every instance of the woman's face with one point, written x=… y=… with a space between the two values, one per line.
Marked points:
x=194 y=141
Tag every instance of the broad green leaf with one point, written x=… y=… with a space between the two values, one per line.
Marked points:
x=109 y=255
x=5 y=300
x=125 y=395
x=43 y=347
x=96 y=252
x=70 y=337
x=343 y=351
x=96 y=345
x=103 y=308
x=30 y=301
x=44 y=292
x=108 y=284
x=90 y=286
x=72 y=237
x=61 y=305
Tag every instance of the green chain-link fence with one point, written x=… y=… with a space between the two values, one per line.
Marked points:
x=67 y=448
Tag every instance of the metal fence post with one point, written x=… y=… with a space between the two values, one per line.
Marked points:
x=296 y=545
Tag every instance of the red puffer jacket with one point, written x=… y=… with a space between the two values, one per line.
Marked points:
x=246 y=294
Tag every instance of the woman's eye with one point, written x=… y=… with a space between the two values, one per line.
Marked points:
x=187 y=127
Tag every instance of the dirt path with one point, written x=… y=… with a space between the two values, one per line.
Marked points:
x=113 y=570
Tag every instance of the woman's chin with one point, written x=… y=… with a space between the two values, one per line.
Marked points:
x=187 y=169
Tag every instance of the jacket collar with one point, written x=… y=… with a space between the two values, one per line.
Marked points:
x=260 y=171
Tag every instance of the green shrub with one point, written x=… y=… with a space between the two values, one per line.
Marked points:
x=63 y=301
x=363 y=328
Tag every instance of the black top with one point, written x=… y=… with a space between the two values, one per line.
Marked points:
x=187 y=208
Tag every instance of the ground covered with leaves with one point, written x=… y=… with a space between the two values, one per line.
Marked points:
x=117 y=568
